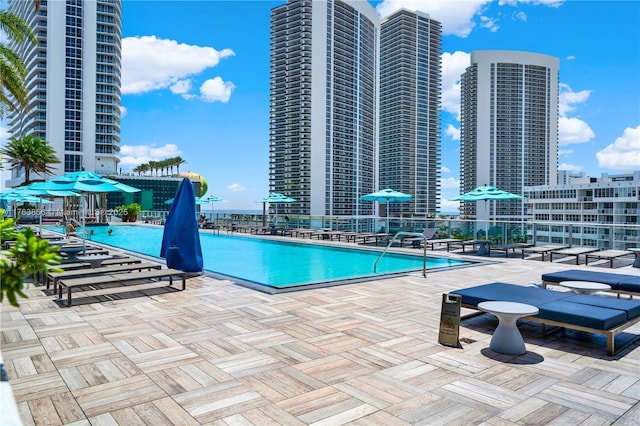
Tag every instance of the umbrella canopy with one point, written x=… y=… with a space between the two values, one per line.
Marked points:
x=198 y=201
x=21 y=198
x=486 y=193
x=276 y=198
x=181 y=238
x=387 y=196
x=213 y=199
x=83 y=182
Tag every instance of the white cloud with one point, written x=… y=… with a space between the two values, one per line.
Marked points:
x=573 y=130
x=565 y=152
x=150 y=63
x=449 y=206
x=489 y=23
x=181 y=87
x=456 y=17
x=445 y=169
x=450 y=183
x=570 y=167
x=134 y=155
x=123 y=111
x=216 y=90
x=567 y=98
x=236 y=187
x=453 y=131
x=550 y=3
x=453 y=65
x=623 y=153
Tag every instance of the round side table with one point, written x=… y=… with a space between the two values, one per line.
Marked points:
x=585 y=287
x=507 y=338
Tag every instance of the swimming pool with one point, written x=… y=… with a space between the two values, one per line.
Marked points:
x=273 y=266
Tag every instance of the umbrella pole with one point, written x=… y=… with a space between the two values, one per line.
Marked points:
x=84 y=226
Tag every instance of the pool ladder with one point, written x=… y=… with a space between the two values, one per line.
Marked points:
x=408 y=234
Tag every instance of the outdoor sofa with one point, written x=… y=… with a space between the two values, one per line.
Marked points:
x=620 y=283
x=603 y=315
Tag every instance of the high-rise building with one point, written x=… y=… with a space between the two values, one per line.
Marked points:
x=587 y=211
x=509 y=127
x=73 y=82
x=410 y=93
x=324 y=105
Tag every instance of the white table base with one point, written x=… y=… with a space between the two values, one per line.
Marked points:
x=506 y=338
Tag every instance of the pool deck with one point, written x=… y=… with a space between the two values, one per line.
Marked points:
x=362 y=354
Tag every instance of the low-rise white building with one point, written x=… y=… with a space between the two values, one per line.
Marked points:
x=593 y=212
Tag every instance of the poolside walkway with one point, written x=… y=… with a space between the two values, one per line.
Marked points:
x=362 y=354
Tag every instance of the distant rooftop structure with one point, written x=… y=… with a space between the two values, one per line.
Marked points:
x=582 y=204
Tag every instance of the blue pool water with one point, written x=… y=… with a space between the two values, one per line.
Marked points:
x=276 y=264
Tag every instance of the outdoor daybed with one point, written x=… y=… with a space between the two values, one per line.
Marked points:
x=620 y=283
x=595 y=314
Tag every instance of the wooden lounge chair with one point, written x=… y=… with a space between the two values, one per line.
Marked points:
x=416 y=242
x=542 y=250
x=572 y=251
x=506 y=247
x=121 y=279
x=55 y=277
x=609 y=255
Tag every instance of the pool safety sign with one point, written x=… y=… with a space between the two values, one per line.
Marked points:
x=450 y=320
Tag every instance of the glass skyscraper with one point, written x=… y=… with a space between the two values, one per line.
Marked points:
x=509 y=127
x=324 y=105
x=410 y=94
x=73 y=82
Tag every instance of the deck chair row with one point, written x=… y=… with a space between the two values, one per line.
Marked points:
x=120 y=279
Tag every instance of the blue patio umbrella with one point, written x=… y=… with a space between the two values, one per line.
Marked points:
x=486 y=193
x=181 y=238
x=387 y=196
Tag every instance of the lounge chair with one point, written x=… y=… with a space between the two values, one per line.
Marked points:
x=55 y=277
x=619 y=283
x=463 y=244
x=595 y=314
x=543 y=250
x=572 y=251
x=121 y=279
x=609 y=255
x=506 y=247
x=416 y=242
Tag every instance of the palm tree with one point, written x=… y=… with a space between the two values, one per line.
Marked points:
x=177 y=161
x=31 y=153
x=12 y=68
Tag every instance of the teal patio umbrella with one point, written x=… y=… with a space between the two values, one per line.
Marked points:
x=387 y=196
x=15 y=196
x=276 y=198
x=486 y=193
x=198 y=201
x=83 y=182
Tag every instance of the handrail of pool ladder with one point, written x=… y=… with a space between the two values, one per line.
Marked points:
x=408 y=234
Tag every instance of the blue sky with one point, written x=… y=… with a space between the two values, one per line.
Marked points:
x=196 y=82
